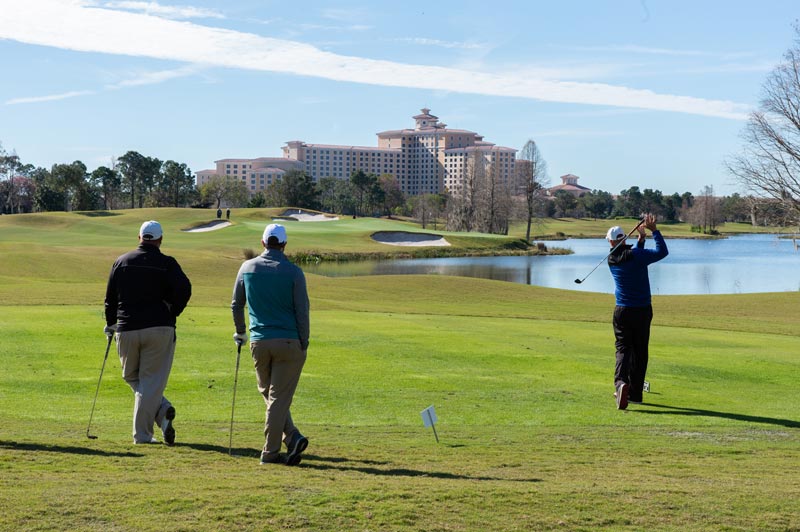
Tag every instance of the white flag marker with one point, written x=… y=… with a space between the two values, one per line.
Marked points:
x=429 y=419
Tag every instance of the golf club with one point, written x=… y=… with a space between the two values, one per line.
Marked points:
x=108 y=347
x=579 y=281
x=233 y=403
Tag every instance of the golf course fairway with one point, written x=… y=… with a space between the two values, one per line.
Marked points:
x=521 y=378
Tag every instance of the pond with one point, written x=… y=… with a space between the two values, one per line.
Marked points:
x=738 y=264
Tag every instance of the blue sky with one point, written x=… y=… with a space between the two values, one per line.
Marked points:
x=651 y=93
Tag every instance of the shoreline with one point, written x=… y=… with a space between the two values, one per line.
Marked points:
x=313 y=256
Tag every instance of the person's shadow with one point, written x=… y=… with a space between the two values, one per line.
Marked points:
x=370 y=467
x=685 y=411
x=68 y=449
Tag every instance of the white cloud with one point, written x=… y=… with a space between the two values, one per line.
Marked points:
x=318 y=27
x=579 y=133
x=152 y=78
x=444 y=44
x=154 y=8
x=630 y=48
x=648 y=50
x=69 y=24
x=49 y=98
x=343 y=15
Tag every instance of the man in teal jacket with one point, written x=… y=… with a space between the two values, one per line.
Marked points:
x=633 y=312
x=274 y=291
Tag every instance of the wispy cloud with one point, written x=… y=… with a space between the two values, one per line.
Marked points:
x=152 y=78
x=579 y=133
x=136 y=80
x=634 y=49
x=48 y=98
x=344 y=15
x=423 y=41
x=69 y=24
x=647 y=50
x=154 y=8
x=327 y=27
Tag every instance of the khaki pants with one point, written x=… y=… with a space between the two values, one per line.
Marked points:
x=278 y=364
x=146 y=356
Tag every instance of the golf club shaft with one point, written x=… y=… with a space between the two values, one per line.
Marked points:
x=579 y=281
x=233 y=403
x=102 y=368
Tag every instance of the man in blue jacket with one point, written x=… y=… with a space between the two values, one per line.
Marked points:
x=274 y=291
x=633 y=312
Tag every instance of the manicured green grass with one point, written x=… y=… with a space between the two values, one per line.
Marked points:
x=520 y=378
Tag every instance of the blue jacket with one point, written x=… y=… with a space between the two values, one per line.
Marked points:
x=274 y=291
x=629 y=269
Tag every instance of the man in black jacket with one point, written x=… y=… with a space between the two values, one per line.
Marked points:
x=146 y=292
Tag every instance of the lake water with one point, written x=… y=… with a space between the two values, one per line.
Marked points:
x=739 y=264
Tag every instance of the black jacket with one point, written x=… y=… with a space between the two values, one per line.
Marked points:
x=145 y=289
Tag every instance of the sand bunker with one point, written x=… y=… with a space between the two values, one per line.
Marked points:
x=304 y=216
x=404 y=238
x=210 y=226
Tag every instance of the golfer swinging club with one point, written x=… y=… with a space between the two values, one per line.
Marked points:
x=633 y=312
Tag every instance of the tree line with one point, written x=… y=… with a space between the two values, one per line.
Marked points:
x=131 y=181
x=485 y=201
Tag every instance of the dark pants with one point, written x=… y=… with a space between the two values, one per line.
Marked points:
x=632 y=332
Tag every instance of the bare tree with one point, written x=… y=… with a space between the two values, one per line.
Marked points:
x=769 y=162
x=531 y=173
x=705 y=212
x=465 y=202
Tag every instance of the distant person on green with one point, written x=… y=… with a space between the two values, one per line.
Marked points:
x=274 y=291
x=633 y=312
x=146 y=292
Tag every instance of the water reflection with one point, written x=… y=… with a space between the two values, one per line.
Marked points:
x=741 y=264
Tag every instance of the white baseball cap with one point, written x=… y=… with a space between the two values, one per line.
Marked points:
x=150 y=230
x=276 y=230
x=615 y=233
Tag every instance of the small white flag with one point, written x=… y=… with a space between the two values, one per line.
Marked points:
x=429 y=419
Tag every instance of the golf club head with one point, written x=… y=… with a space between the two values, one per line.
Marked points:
x=578 y=281
x=91 y=436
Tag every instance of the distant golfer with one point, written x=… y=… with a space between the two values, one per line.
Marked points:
x=146 y=292
x=274 y=291
x=634 y=312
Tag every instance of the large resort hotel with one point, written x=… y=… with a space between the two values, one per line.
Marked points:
x=429 y=159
